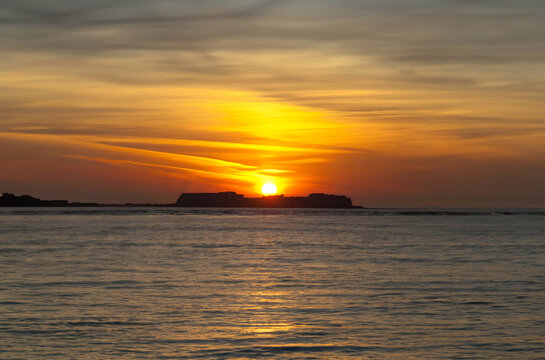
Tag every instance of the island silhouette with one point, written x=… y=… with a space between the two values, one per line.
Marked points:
x=220 y=199
x=232 y=199
x=8 y=199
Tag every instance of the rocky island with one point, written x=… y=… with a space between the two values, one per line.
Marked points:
x=232 y=199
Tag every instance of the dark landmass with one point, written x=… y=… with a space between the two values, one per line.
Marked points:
x=25 y=200
x=232 y=199
x=10 y=200
x=222 y=199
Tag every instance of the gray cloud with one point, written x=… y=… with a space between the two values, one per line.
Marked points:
x=440 y=45
x=416 y=31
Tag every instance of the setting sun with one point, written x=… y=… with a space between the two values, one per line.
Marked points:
x=268 y=189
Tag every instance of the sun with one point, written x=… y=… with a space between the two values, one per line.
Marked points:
x=268 y=189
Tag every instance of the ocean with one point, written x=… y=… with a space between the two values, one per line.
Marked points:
x=171 y=283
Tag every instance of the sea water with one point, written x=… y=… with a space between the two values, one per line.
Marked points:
x=168 y=283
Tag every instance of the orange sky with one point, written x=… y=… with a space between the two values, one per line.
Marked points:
x=394 y=103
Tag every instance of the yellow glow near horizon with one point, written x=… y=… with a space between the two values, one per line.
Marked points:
x=268 y=189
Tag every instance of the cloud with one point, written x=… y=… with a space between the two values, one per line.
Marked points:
x=395 y=30
x=284 y=49
x=229 y=41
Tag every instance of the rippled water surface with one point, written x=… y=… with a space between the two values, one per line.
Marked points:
x=271 y=284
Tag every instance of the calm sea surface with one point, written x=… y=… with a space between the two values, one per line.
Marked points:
x=160 y=283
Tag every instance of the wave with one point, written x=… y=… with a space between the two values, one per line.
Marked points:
x=279 y=350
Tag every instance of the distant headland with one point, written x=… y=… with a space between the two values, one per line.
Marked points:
x=221 y=199
x=8 y=199
x=11 y=200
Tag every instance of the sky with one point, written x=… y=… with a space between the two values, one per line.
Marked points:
x=395 y=103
